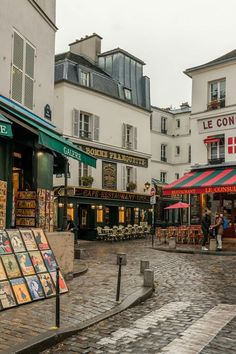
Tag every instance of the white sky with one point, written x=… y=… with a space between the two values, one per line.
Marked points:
x=168 y=35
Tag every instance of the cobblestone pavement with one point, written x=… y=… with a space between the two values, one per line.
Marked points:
x=192 y=310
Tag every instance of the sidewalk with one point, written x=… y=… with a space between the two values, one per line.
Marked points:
x=90 y=295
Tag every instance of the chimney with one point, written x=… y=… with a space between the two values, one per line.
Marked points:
x=89 y=47
x=184 y=105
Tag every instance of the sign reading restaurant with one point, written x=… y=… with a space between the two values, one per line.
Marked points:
x=115 y=156
x=208 y=125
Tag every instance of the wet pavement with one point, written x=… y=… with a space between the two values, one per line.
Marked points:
x=192 y=310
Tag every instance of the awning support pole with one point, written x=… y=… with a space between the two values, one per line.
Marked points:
x=64 y=227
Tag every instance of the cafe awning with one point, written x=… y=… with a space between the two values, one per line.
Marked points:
x=48 y=136
x=5 y=127
x=211 y=139
x=221 y=180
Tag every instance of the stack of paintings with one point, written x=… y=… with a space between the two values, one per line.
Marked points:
x=27 y=268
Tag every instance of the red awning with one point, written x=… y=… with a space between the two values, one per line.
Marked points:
x=221 y=180
x=211 y=139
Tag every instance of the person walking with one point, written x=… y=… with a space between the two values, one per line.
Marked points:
x=206 y=223
x=218 y=226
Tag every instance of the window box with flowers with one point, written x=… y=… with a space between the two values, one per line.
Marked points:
x=87 y=181
x=131 y=186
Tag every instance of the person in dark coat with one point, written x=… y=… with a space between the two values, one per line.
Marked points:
x=206 y=223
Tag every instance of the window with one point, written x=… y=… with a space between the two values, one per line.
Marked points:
x=163 y=125
x=177 y=123
x=177 y=150
x=176 y=175
x=85 y=125
x=163 y=152
x=216 y=150
x=127 y=93
x=163 y=177
x=189 y=153
x=129 y=137
x=84 y=78
x=22 y=71
x=129 y=178
x=216 y=94
x=84 y=171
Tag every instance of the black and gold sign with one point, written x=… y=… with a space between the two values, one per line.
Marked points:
x=109 y=175
x=115 y=156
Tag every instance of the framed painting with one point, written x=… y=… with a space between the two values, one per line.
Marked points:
x=11 y=266
x=41 y=239
x=20 y=290
x=35 y=287
x=62 y=283
x=16 y=240
x=5 y=246
x=7 y=298
x=37 y=261
x=25 y=263
x=3 y=275
x=49 y=260
x=29 y=240
x=47 y=284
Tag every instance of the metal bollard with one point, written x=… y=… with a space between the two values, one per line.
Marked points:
x=119 y=279
x=144 y=265
x=57 y=298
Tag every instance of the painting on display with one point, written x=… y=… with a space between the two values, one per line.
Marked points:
x=7 y=298
x=35 y=287
x=49 y=260
x=16 y=240
x=37 y=262
x=25 y=263
x=62 y=283
x=5 y=246
x=20 y=290
x=3 y=275
x=41 y=239
x=11 y=266
x=29 y=240
x=47 y=283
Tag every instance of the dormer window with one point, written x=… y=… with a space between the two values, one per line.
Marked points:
x=84 y=78
x=127 y=93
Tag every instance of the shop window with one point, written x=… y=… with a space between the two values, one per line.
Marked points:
x=216 y=149
x=129 y=137
x=99 y=215
x=128 y=216
x=163 y=125
x=163 y=152
x=216 y=94
x=136 y=215
x=121 y=215
x=22 y=71
x=85 y=125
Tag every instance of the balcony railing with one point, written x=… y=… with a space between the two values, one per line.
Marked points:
x=84 y=134
x=163 y=158
x=216 y=161
x=216 y=104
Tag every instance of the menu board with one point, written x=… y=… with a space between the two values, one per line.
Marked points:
x=195 y=217
x=3 y=204
x=25 y=208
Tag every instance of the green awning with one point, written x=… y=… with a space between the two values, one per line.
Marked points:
x=62 y=146
x=5 y=127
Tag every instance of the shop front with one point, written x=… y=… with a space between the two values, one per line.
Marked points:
x=90 y=208
x=31 y=151
x=214 y=188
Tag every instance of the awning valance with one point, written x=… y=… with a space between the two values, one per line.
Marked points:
x=5 y=127
x=211 y=139
x=221 y=180
x=48 y=135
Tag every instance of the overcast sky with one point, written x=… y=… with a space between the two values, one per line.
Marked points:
x=168 y=35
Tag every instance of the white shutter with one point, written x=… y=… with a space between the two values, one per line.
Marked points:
x=75 y=122
x=29 y=60
x=29 y=92
x=17 y=82
x=135 y=175
x=18 y=51
x=17 y=68
x=89 y=171
x=123 y=175
x=96 y=124
x=135 y=138
x=124 y=135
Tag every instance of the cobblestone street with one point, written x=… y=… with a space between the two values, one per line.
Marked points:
x=192 y=310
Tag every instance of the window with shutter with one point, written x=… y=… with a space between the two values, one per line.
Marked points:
x=123 y=135
x=123 y=178
x=75 y=123
x=96 y=123
x=135 y=138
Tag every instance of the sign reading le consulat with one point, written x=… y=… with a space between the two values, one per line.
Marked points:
x=115 y=156
x=217 y=123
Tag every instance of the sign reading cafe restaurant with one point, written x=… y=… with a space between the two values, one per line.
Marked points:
x=208 y=125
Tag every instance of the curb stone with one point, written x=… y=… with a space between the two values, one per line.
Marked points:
x=211 y=253
x=46 y=340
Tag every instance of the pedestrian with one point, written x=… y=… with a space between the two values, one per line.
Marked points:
x=206 y=223
x=218 y=226
x=70 y=224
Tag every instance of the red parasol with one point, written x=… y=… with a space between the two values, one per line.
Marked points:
x=179 y=205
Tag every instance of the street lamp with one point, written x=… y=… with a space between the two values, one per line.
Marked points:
x=146 y=186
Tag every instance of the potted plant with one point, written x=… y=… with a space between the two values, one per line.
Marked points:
x=131 y=186
x=87 y=181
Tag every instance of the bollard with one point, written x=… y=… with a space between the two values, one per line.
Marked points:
x=172 y=242
x=212 y=244
x=57 y=298
x=123 y=258
x=144 y=265
x=148 y=278
x=118 y=279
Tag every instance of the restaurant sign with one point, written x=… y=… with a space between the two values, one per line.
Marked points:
x=202 y=190
x=217 y=123
x=115 y=156
x=110 y=195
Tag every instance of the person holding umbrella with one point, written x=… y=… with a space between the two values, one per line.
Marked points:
x=206 y=223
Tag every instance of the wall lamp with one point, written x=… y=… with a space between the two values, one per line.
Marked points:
x=146 y=186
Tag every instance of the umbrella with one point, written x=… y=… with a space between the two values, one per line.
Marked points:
x=179 y=205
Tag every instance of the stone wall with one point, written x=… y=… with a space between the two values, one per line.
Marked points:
x=62 y=244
